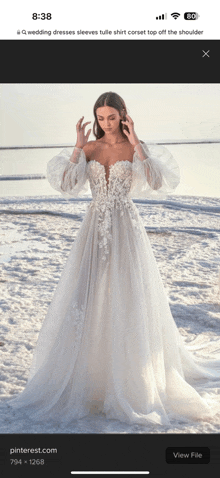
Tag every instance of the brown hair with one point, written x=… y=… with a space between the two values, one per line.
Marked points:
x=115 y=101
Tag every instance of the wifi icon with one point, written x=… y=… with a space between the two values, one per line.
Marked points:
x=175 y=15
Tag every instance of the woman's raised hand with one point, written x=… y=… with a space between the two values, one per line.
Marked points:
x=81 y=137
x=130 y=133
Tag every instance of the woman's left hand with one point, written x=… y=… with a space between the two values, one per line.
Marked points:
x=131 y=133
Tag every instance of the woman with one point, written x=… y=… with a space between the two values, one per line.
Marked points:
x=109 y=341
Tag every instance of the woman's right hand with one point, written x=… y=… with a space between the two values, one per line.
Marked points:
x=81 y=137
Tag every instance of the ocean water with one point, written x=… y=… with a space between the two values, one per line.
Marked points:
x=199 y=166
x=23 y=163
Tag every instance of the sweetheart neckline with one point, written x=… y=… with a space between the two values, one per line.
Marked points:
x=119 y=161
x=110 y=165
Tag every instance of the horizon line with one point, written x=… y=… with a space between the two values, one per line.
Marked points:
x=71 y=145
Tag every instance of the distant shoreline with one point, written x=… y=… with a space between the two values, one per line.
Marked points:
x=162 y=142
x=22 y=176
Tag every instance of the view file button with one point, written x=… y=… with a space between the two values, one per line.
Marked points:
x=190 y=455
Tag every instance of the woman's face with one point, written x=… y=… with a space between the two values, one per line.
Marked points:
x=108 y=119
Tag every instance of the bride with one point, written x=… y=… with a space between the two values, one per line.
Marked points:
x=109 y=343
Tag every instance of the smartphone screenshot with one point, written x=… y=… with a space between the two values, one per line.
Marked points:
x=109 y=250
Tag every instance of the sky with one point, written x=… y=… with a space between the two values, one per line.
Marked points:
x=34 y=114
x=48 y=113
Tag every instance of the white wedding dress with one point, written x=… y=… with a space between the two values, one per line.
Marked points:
x=108 y=339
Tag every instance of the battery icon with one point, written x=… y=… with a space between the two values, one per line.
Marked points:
x=191 y=16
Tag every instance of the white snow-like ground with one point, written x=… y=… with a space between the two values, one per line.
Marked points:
x=36 y=236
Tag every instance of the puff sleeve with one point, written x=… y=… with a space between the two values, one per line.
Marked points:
x=157 y=175
x=67 y=177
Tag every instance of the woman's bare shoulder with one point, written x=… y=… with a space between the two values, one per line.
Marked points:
x=89 y=145
x=89 y=148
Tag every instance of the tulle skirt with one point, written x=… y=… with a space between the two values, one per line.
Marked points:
x=109 y=338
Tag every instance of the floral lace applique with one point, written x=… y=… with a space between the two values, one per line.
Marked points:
x=76 y=315
x=114 y=195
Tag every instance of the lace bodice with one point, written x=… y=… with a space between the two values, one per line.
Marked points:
x=118 y=182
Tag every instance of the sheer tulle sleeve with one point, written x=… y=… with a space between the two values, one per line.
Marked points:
x=157 y=175
x=67 y=177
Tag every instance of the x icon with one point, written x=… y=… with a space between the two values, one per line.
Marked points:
x=205 y=53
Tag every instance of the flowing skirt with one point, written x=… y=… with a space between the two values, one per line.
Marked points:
x=109 y=337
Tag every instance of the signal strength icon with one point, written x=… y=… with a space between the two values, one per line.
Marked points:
x=162 y=17
x=175 y=15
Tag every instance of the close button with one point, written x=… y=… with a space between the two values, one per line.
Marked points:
x=189 y=455
x=206 y=53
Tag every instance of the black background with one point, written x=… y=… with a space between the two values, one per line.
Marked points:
x=109 y=61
